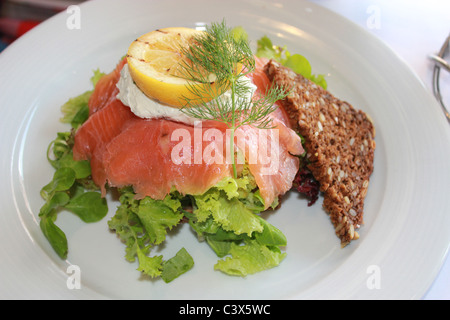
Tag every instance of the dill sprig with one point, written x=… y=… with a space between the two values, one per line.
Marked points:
x=217 y=62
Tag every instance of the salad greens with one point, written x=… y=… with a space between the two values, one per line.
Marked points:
x=297 y=62
x=71 y=187
x=142 y=224
x=226 y=217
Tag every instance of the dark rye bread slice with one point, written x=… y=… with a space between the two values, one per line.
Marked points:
x=339 y=141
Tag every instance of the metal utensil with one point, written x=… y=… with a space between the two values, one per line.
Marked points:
x=440 y=63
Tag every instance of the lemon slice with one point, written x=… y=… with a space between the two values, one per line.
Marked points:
x=154 y=63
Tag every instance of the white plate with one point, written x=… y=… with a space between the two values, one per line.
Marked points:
x=407 y=224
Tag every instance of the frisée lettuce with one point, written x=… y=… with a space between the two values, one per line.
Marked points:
x=142 y=225
x=222 y=217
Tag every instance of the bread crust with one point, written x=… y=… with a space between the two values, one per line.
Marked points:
x=340 y=145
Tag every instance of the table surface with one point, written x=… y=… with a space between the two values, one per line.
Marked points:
x=413 y=29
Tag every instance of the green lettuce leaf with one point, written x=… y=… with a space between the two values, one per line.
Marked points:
x=151 y=266
x=231 y=214
x=249 y=258
x=75 y=110
x=158 y=216
x=297 y=62
x=55 y=236
x=127 y=225
x=233 y=204
x=270 y=236
x=177 y=265
x=142 y=225
x=227 y=217
x=71 y=178
x=96 y=76
x=64 y=192
x=89 y=206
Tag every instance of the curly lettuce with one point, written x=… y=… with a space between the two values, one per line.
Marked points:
x=143 y=224
x=226 y=217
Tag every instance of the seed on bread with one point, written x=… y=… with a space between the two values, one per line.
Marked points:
x=340 y=145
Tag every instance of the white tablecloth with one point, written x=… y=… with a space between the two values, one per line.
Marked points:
x=413 y=29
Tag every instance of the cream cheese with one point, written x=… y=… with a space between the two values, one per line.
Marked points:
x=144 y=107
x=141 y=105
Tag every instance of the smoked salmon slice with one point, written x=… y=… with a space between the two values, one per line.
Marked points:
x=272 y=159
x=93 y=136
x=125 y=150
x=273 y=177
x=105 y=89
x=148 y=156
